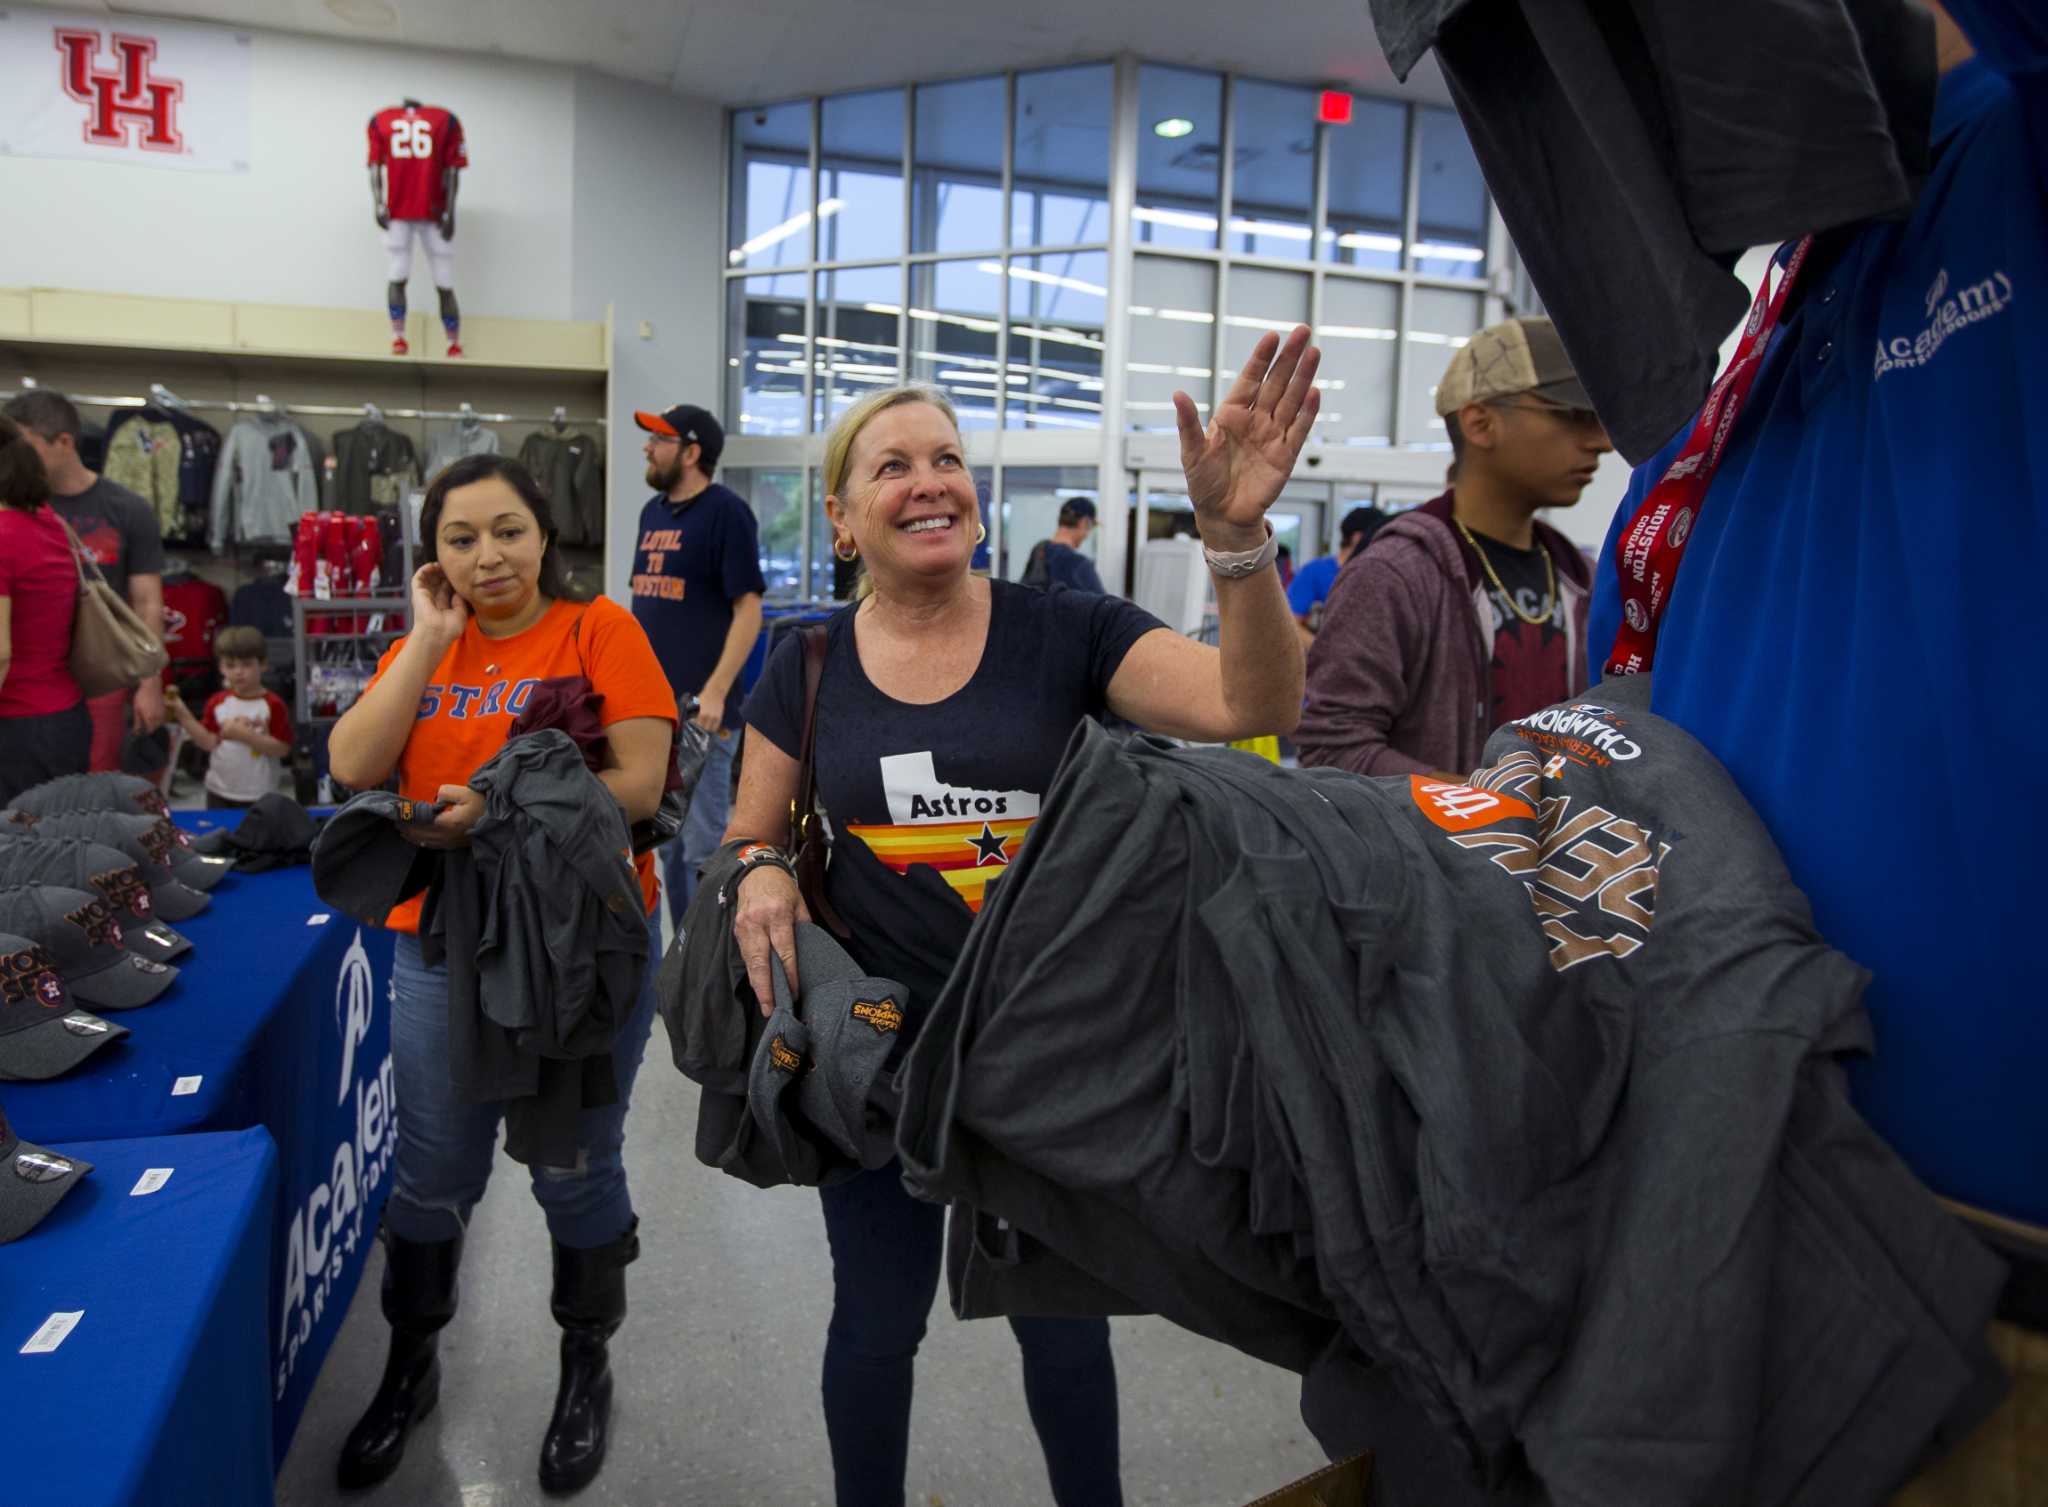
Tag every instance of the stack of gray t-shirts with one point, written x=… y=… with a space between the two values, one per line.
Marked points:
x=541 y=924
x=1533 y=1089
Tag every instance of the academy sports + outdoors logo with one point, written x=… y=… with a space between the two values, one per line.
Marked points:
x=1945 y=316
x=122 y=95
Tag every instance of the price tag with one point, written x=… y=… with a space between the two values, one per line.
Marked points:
x=320 y=920
x=55 y=1329
x=187 y=1085
x=150 y=1181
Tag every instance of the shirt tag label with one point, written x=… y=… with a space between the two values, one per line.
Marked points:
x=187 y=1085
x=53 y=1333
x=150 y=1181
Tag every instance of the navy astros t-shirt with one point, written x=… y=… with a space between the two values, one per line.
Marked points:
x=690 y=562
x=929 y=804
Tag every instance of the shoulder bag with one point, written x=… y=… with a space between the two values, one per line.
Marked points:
x=111 y=648
x=809 y=849
x=689 y=746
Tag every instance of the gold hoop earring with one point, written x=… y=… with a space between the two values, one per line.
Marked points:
x=981 y=533
x=847 y=555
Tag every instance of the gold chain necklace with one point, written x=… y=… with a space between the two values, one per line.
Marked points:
x=1550 y=580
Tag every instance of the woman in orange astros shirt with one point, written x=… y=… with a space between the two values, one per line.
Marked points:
x=490 y=618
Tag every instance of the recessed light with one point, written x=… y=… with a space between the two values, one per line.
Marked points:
x=1173 y=126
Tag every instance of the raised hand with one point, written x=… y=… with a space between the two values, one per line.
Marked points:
x=1237 y=466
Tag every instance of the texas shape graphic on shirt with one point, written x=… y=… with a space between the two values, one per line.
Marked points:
x=969 y=836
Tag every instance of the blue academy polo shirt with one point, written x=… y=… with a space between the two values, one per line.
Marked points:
x=1856 y=627
x=691 y=562
x=1311 y=585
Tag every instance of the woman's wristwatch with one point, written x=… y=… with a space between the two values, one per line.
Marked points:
x=1234 y=565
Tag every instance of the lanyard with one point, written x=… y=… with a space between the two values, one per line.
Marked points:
x=1653 y=544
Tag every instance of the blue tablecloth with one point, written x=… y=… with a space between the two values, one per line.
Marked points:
x=286 y=1025
x=158 y=1394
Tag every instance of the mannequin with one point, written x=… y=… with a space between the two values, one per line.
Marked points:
x=417 y=152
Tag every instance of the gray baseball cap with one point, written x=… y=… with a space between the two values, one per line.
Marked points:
x=854 y=1024
x=79 y=863
x=42 y=1033
x=80 y=933
x=33 y=1181
x=150 y=841
x=127 y=793
x=1507 y=359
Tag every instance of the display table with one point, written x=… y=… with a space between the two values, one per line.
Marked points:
x=157 y=1394
x=285 y=1025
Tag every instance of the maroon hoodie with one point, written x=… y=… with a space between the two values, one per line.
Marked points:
x=1400 y=673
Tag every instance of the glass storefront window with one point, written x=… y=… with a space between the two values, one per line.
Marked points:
x=1032 y=498
x=777 y=498
x=860 y=176
x=1274 y=172
x=771 y=186
x=1261 y=301
x=1173 y=318
x=955 y=314
x=1058 y=307
x=1367 y=186
x=764 y=363
x=860 y=318
x=1439 y=322
x=1180 y=155
x=957 y=193
x=1358 y=335
x=1060 y=196
x=1450 y=216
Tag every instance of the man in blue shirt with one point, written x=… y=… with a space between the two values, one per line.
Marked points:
x=696 y=589
x=1849 y=634
x=1311 y=585
x=1057 y=564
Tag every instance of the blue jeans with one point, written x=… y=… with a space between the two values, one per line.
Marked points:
x=703 y=829
x=446 y=1146
x=886 y=1248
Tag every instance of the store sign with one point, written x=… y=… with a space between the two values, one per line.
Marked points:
x=331 y=1191
x=127 y=89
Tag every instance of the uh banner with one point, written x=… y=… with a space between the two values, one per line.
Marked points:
x=109 y=88
x=334 y=1168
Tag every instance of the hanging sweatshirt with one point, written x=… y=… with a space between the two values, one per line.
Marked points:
x=265 y=480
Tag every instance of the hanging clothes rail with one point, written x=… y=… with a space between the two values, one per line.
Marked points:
x=328 y=410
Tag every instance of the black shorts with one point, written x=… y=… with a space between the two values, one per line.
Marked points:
x=35 y=749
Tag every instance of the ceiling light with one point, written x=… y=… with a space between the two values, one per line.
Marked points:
x=782 y=232
x=1050 y=279
x=1174 y=127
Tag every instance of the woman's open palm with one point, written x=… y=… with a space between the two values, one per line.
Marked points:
x=1237 y=466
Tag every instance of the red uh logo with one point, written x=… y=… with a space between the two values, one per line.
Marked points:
x=123 y=95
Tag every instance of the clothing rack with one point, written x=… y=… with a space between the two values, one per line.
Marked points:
x=322 y=410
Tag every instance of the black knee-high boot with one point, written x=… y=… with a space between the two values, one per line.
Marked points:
x=419 y=1300
x=590 y=1304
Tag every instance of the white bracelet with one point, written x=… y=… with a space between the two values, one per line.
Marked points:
x=1234 y=565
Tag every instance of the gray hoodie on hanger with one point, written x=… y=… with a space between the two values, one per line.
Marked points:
x=266 y=478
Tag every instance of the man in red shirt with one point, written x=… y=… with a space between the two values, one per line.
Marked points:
x=416 y=151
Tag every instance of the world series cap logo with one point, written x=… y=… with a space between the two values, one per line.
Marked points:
x=98 y=924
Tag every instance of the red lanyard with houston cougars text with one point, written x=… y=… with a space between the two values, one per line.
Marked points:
x=1653 y=544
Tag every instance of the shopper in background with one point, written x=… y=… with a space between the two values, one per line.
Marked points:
x=245 y=729
x=697 y=588
x=943 y=689
x=1057 y=564
x=1310 y=588
x=44 y=728
x=119 y=530
x=1849 y=636
x=488 y=615
x=1467 y=612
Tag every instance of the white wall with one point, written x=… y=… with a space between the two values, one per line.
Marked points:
x=296 y=228
x=646 y=178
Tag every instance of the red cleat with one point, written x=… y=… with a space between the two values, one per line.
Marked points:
x=454 y=348
x=399 y=347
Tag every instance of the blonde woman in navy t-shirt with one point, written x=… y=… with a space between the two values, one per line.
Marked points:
x=945 y=703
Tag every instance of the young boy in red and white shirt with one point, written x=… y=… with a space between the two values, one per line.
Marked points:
x=245 y=728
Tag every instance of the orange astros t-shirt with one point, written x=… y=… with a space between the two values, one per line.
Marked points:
x=481 y=685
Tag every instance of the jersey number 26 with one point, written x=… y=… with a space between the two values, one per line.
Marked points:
x=412 y=138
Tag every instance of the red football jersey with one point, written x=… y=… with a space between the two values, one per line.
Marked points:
x=194 y=610
x=416 y=145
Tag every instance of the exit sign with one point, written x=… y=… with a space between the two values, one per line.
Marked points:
x=1333 y=107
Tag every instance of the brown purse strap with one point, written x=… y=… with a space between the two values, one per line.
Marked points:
x=806 y=840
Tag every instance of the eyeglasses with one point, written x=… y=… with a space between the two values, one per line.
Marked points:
x=662 y=439
x=1576 y=418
